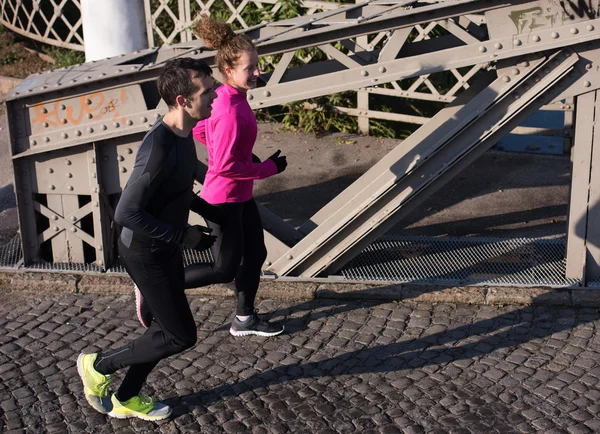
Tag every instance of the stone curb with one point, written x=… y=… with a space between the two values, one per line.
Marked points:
x=291 y=290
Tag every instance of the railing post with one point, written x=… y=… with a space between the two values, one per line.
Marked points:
x=113 y=27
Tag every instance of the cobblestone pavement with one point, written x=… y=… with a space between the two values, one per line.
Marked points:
x=342 y=366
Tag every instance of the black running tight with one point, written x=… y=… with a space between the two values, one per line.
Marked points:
x=239 y=253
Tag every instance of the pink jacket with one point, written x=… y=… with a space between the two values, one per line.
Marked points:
x=229 y=135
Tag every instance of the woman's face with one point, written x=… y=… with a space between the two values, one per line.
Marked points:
x=244 y=74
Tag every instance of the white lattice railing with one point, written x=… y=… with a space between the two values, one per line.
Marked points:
x=58 y=22
x=54 y=22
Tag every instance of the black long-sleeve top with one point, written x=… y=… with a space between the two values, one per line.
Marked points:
x=156 y=201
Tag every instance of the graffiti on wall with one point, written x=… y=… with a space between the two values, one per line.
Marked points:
x=94 y=106
x=556 y=14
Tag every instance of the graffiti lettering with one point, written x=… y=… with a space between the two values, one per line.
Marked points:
x=111 y=107
x=581 y=9
x=85 y=107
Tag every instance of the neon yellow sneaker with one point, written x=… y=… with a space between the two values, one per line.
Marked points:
x=95 y=384
x=140 y=406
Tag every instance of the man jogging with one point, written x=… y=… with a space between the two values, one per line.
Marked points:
x=153 y=211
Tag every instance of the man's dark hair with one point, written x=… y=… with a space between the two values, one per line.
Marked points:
x=176 y=78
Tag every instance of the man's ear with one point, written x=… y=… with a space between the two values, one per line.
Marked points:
x=180 y=101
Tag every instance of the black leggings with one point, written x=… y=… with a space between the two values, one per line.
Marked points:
x=239 y=254
x=159 y=276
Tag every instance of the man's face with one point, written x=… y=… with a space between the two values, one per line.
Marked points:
x=200 y=102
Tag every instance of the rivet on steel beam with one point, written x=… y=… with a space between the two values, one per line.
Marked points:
x=90 y=116
x=96 y=204
x=44 y=87
x=69 y=175
x=250 y=97
x=506 y=79
x=88 y=101
x=96 y=190
x=364 y=72
x=290 y=257
x=498 y=45
x=518 y=42
x=68 y=162
x=525 y=64
x=33 y=143
x=92 y=160
x=88 y=77
x=90 y=130
x=118 y=71
x=555 y=35
x=382 y=69
x=46 y=139
x=78 y=133
x=116 y=124
x=50 y=170
x=16 y=93
x=64 y=135
x=144 y=119
x=104 y=127
x=574 y=30
x=44 y=110
x=536 y=38
x=99 y=247
x=123 y=169
x=129 y=151
x=266 y=93
x=134 y=68
x=129 y=122
x=516 y=71
x=121 y=158
x=94 y=175
x=590 y=27
x=46 y=125
x=103 y=74
x=73 y=229
x=73 y=218
x=482 y=49
x=156 y=115
x=587 y=83
x=51 y=187
x=64 y=121
x=55 y=228
x=588 y=66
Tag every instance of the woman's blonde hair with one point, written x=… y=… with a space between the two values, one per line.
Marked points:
x=220 y=36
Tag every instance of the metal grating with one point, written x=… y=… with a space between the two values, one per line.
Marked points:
x=453 y=261
x=462 y=261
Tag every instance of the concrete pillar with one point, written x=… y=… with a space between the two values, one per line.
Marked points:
x=113 y=27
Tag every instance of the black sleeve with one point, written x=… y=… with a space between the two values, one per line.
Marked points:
x=154 y=163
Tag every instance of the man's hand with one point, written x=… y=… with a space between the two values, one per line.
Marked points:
x=196 y=237
x=280 y=161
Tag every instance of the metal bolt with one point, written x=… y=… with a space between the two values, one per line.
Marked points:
x=46 y=125
x=50 y=170
x=64 y=135
x=63 y=107
x=55 y=228
x=46 y=139
x=516 y=71
x=536 y=38
x=574 y=30
x=51 y=187
x=588 y=66
x=482 y=49
x=121 y=158
x=69 y=175
x=506 y=78
x=33 y=143
x=156 y=115
x=99 y=247
x=129 y=122
x=73 y=218
x=268 y=263
x=364 y=73
x=88 y=101
x=96 y=204
x=64 y=121
x=290 y=257
x=104 y=127
x=90 y=130
x=382 y=69
x=250 y=97
x=498 y=45
x=116 y=124
x=518 y=42
x=71 y=188
x=129 y=151
x=92 y=160
x=44 y=110
x=123 y=169
x=78 y=133
x=90 y=116
x=590 y=27
x=144 y=119
x=525 y=64
x=94 y=175
x=54 y=217
x=555 y=35
x=68 y=162
x=266 y=93
x=587 y=83
x=73 y=229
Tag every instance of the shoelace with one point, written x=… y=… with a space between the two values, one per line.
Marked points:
x=103 y=387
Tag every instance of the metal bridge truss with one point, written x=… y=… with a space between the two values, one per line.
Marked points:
x=74 y=132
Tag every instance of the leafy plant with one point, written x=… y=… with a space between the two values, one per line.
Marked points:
x=11 y=57
x=64 y=57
